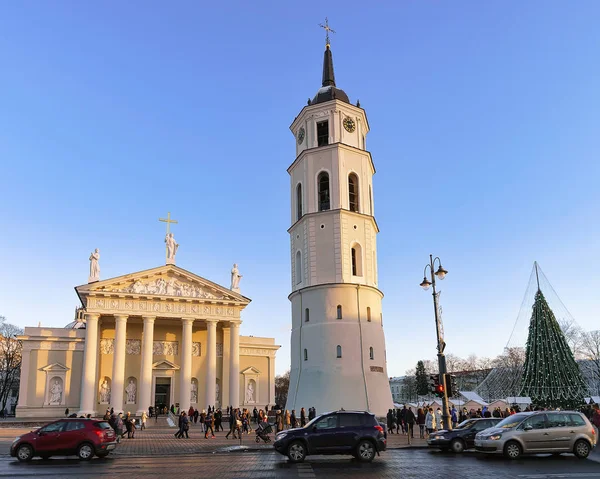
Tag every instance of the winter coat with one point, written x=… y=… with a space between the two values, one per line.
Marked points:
x=430 y=421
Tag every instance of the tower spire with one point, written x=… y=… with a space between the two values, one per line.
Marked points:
x=328 y=75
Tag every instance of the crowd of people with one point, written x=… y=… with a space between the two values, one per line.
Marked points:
x=240 y=420
x=403 y=420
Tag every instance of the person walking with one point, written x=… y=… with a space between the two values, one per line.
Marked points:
x=218 y=420
x=279 y=420
x=302 y=417
x=454 y=417
x=185 y=425
x=179 y=433
x=143 y=421
x=255 y=415
x=409 y=418
x=233 y=427
x=288 y=420
x=390 y=419
x=421 y=422
x=596 y=418
x=293 y=420
x=208 y=422
x=430 y=421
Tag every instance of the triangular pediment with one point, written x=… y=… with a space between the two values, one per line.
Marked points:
x=250 y=370
x=164 y=365
x=165 y=281
x=54 y=367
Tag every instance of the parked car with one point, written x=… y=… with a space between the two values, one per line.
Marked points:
x=355 y=433
x=83 y=437
x=462 y=436
x=539 y=432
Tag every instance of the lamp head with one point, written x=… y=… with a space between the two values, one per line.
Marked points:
x=425 y=284
x=441 y=272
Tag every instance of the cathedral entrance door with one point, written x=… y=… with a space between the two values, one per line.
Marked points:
x=162 y=394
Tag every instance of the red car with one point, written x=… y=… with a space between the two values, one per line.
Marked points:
x=83 y=437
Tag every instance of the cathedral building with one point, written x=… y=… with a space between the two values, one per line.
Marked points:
x=338 y=357
x=159 y=337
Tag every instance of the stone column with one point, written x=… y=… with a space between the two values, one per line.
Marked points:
x=24 y=382
x=185 y=386
x=118 y=371
x=90 y=359
x=145 y=398
x=211 y=363
x=234 y=364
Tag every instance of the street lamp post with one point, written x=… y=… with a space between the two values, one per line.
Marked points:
x=441 y=345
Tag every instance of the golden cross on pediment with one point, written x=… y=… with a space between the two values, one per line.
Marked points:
x=168 y=220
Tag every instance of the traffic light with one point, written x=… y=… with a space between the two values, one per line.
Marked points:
x=451 y=385
x=437 y=389
x=434 y=382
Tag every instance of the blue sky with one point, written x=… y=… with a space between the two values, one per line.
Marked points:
x=485 y=132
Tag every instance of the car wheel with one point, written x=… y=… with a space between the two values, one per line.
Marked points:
x=581 y=449
x=25 y=453
x=512 y=450
x=297 y=451
x=457 y=446
x=85 y=451
x=366 y=451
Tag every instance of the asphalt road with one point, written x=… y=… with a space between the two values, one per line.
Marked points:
x=421 y=463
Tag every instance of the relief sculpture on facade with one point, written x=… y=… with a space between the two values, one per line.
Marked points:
x=107 y=346
x=133 y=346
x=165 y=348
x=169 y=287
x=196 y=348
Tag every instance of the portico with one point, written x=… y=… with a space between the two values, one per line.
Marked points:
x=160 y=334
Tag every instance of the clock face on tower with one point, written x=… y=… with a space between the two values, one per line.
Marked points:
x=349 y=124
x=301 y=134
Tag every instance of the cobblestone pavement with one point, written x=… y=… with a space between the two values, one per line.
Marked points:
x=416 y=463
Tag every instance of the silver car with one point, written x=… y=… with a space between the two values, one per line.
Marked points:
x=539 y=432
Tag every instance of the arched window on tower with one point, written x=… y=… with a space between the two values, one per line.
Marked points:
x=323 y=189
x=339 y=351
x=339 y=311
x=306 y=315
x=356 y=253
x=371 y=353
x=298 y=267
x=353 y=192
x=368 y=314
x=299 y=201
x=306 y=355
x=370 y=201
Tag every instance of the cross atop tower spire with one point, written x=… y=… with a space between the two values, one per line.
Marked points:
x=327 y=29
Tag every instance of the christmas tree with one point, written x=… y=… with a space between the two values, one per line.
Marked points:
x=551 y=376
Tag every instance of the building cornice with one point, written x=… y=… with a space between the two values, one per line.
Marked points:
x=335 y=285
x=323 y=213
x=332 y=146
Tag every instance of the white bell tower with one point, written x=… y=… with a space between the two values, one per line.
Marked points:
x=338 y=344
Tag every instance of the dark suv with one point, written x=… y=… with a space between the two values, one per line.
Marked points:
x=462 y=436
x=356 y=433
x=84 y=437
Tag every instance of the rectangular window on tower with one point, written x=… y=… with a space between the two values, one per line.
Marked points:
x=323 y=133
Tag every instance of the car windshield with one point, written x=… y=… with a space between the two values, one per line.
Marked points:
x=311 y=423
x=512 y=421
x=466 y=424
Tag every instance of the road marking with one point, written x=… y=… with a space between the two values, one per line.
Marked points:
x=305 y=471
x=559 y=476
